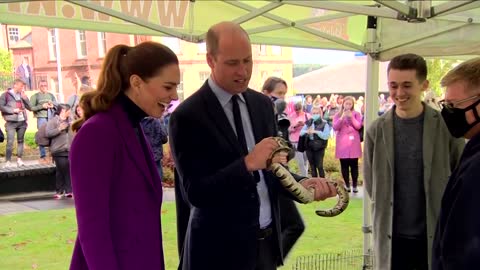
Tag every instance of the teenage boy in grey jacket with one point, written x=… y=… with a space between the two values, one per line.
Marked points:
x=13 y=105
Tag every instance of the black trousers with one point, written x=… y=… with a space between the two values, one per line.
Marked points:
x=349 y=165
x=266 y=255
x=409 y=254
x=291 y=224
x=315 y=159
x=63 y=183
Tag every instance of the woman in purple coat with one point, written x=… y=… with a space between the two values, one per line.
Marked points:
x=347 y=123
x=118 y=192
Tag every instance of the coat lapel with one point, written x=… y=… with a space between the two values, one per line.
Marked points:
x=389 y=141
x=215 y=111
x=157 y=181
x=430 y=126
x=134 y=147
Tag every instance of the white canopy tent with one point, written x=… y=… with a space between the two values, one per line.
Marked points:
x=379 y=28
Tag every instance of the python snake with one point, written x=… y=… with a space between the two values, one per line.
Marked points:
x=300 y=192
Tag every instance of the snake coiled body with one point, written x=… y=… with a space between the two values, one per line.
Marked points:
x=300 y=192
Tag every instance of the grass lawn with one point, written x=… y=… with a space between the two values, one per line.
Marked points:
x=44 y=240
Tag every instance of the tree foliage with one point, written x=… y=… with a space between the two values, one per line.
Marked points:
x=6 y=62
x=437 y=68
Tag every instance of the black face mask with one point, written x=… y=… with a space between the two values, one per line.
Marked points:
x=456 y=122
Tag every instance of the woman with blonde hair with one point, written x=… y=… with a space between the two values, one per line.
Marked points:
x=347 y=123
x=118 y=192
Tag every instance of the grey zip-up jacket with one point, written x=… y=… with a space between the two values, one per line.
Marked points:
x=61 y=140
x=8 y=104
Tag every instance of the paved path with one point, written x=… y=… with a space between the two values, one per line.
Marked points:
x=14 y=161
x=41 y=201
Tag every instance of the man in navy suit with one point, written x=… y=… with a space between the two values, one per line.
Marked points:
x=221 y=140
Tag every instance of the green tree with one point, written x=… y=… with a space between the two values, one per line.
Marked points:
x=6 y=62
x=437 y=68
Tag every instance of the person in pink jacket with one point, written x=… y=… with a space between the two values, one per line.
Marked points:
x=347 y=122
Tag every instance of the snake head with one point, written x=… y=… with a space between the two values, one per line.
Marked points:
x=281 y=142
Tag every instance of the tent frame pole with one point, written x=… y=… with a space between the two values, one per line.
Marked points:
x=371 y=113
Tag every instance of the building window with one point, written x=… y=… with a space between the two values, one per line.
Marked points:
x=13 y=34
x=52 y=40
x=180 y=92
x=202 y=48
x=203 y=75
x=173 y=43
x=262 y=50
x=102 y=44
x=278 y=73
x=263 y=76
x=54 y=84
x=276 y=50
x=81 y=44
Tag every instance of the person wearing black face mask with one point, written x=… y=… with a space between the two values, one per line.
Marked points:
x=456 y=243
x=455 y=118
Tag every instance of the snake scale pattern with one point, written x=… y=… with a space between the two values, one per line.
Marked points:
x=301 y=193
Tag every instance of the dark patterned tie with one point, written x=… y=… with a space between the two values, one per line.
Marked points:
x=237 y=118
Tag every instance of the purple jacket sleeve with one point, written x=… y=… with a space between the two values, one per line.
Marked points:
x=92 y=160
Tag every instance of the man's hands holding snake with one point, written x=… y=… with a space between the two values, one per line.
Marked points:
x=323 y=189
x=257 y=158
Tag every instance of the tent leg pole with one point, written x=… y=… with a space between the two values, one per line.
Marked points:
x=371 y=113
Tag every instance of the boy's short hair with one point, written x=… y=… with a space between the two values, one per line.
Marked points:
x=410 y=61
x=18 y=80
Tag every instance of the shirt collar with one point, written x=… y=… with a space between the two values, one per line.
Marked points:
x=223 y=96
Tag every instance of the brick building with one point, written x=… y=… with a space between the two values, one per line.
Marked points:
x=82 y=52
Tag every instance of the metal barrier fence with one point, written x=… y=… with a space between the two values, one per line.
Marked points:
x=345 y=260
x=6 y=81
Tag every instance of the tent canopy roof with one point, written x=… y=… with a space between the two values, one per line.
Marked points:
x=429 y=28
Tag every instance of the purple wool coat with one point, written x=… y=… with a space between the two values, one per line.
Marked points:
x=347 y=144
x=118 y=197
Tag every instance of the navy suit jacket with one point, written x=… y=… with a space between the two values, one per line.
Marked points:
x=456 y=245
x=223 y=218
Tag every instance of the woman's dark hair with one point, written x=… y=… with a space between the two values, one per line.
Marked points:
x=85 y=103
x=61 y=107
x=145 y=60
x=270 y=83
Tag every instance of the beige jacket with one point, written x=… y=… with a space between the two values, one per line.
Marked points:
x=441 y=153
